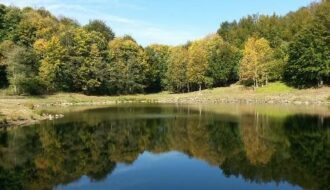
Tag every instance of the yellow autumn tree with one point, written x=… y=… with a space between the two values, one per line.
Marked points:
x=258 y=146
x=254 y=66
x=197 y=64
x=52 y=52
x=176 y=75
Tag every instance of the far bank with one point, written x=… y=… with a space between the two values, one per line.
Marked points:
x=23 y=110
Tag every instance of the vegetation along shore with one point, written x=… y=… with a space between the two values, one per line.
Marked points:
x=23 y=110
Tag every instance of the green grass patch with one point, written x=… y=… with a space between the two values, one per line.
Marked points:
x=276 y=87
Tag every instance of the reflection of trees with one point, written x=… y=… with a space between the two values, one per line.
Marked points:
x=309 y=138
x=300 y=147
x=258 y=147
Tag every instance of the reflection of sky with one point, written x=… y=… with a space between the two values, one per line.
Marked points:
x=171 y=170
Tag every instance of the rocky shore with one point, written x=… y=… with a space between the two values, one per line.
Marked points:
x=17 y=111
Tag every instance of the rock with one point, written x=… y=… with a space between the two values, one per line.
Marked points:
x=297 y=102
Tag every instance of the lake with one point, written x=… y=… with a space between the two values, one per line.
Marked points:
x=143 y=146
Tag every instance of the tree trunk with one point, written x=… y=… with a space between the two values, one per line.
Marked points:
x=257 y=85
x=15 y=89
x=320 y=82
x=15 y=80
x=200 y=87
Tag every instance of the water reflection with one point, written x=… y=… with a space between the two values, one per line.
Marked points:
x=253 y=147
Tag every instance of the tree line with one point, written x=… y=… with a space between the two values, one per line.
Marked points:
x=41 y=53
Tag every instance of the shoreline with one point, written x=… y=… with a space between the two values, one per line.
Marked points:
x=21 y=110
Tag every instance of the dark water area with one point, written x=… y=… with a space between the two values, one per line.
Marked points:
x=169 y=147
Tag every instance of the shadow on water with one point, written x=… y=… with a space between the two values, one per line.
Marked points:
x=259 y=147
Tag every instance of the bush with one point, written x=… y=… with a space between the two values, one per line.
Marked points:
x=33 y=86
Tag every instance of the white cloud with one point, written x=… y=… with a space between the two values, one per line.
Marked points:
x=163 y=36
x=83 y=11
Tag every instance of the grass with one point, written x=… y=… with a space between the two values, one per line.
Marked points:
x=18 y=109
x=276 y=87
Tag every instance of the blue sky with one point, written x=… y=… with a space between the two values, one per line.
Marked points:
x=162 y=21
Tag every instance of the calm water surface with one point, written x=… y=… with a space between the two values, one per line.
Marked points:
x=170 y=147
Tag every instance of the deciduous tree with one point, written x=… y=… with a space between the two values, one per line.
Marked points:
x=176 y=76
x=223 y=60
x=309 y=53
x=102 y=28
x=254 y=68
x=22 y=69
x=157 y=59
x=198 y=65
x=128 y=66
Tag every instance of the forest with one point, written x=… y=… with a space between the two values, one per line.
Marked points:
x=44 y=54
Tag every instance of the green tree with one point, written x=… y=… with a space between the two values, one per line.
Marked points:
x=271 y=28
x=101 y=27
x=70 y=61
x=223 y=61
x=176 y=76
x=67 y=23
x=277 y=65
x=157 y=59
x=237 y=33
x=128 y=66
x=93 y=73
x=2 y=21
x=294 y=22
x=35 y=25
x=22 y=69
x=309 y=53
x=10 y=18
